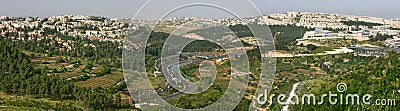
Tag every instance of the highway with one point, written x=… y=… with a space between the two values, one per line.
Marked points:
x=175 y=79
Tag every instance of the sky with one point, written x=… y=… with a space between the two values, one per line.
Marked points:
x=158 y=8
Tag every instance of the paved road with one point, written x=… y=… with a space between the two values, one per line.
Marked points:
x=175 y=79
x=170 y=70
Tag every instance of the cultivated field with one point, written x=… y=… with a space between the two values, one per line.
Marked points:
x=103 y=81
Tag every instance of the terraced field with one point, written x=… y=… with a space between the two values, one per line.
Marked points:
x=103 y=81
x=76 y=72
x=11 y=102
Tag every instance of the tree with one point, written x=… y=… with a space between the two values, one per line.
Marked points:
x=311 y=47
x=118 y=100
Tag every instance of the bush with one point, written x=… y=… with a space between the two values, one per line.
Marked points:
x=311 y=47
x=103 y=72
x=60 y=60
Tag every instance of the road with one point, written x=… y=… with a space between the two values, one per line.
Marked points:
x=170 y=70
x=175 y=79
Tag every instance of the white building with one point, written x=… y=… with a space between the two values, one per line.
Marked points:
x=319 y=33
x=395 y=42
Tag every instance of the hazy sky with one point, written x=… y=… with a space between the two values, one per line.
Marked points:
x=128 y=8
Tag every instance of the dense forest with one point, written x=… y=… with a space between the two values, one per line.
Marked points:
x=201 y=46
x=105 y=53
x=19 y=76
x=360 y=23
x=283 y=35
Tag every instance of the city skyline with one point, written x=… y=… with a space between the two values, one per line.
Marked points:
x=127 y=9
